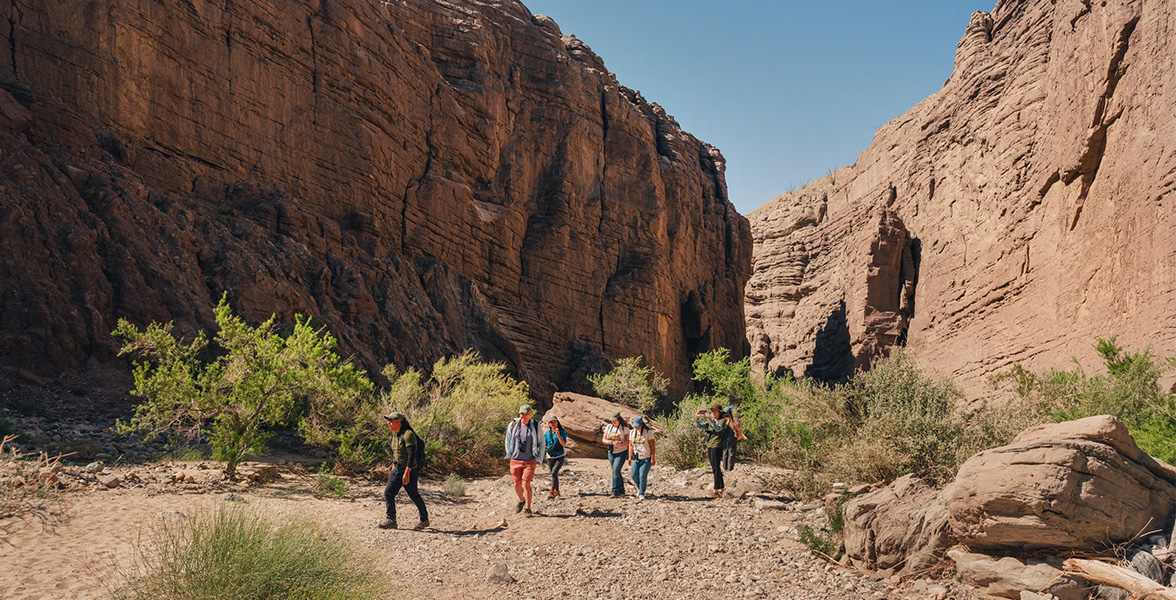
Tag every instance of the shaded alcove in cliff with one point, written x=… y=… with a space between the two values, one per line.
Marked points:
x=833 y=359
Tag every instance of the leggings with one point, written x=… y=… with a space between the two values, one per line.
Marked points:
x=555 y=464
x=393 y=488
x=715 y=455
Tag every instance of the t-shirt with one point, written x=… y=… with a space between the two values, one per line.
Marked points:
x=401 y=444
x=640 y=441
x=524 y=442
x=613 y=434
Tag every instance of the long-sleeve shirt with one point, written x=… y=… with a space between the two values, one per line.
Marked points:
x=713 y=428
x=531 y=447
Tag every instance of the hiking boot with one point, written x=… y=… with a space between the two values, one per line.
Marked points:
x=388 y=524
x=527 y=512
x=519 y=506
x=421 y=525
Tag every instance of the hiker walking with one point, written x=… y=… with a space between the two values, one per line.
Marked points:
x=641 y=454
x=713 y=424
x=523 y=448
x=731 y=437
x=555 y=439
x=407 y=451
x=616 y=438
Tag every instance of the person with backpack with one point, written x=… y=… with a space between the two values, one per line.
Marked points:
x=616 y=438
x=731 y=437
x=407 y=458
x=524 y=446
x=555 y=439
x=714 y=425
x=642 y=448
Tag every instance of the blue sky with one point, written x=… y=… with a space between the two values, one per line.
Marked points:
x=789 y=90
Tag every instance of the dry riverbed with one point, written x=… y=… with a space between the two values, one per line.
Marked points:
x=678 y=543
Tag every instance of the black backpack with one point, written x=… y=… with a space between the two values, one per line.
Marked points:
x=420 y=451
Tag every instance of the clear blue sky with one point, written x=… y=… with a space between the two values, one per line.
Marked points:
x=789 y=90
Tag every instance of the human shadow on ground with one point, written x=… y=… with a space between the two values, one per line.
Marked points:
x=464 y=532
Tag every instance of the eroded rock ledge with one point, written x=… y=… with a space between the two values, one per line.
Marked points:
x=424 y=177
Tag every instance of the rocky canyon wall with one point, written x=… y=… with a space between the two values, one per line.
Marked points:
x=1014 y=216
x=422 y=176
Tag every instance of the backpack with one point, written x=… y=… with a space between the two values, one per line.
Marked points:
x=420 y=451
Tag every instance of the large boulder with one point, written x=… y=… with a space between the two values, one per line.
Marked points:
x=584 y=418
x=1078 y=484
x=1007 y=577
x=901 y=526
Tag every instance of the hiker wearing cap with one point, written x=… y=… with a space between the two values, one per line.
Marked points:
x=713 y=424
x=641 y=454
x=616 y=438
x=731 y=437
x=406 y=456
x=523 y=448
x=555 y=439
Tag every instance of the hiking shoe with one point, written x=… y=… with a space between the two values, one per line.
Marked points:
x=527 y=512
x=640 y=497
x=421 y=525
x=388 y=524
x=519 y=506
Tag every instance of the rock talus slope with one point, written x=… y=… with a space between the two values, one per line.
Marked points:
x=1014 y=216
x=424 y=177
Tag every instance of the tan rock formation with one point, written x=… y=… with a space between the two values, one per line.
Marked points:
x=901 y=526
x=421 y=176
x=1078 y=484
x=1036 y=190
x=583 y=417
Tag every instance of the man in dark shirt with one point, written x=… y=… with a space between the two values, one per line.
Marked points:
x=405 y=471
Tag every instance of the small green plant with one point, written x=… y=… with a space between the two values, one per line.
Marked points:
x=454 y=485
x=252 y=378
x=823 y=542
x=329 y=485
x=632 y=384
x=236 y=553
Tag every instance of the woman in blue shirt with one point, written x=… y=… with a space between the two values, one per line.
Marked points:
x=556 y=441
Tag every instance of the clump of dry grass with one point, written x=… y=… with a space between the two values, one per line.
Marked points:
x=29 y=488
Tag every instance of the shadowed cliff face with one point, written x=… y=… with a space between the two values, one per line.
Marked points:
x=1015 y=215
x=421 y=176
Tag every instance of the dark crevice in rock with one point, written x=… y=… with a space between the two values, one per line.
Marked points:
x=833 y=359
x=14 y=16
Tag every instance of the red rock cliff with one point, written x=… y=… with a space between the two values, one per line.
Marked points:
x=1016 y=215
x=422 y=176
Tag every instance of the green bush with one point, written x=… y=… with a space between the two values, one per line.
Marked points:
x=885 y=423
x=759 y=399
x=250 y=380
x=683 y=445
x=329 y=485
x=235 y=553
x=461 y=411
x=1129 y=390
x=631 y=384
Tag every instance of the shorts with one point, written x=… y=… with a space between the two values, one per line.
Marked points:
x=524 y=470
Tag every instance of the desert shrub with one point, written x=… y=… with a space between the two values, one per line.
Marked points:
x=454 y=485
x=683 y=446
x=251 y=379
x=28 y=489
x=1129 y=390
x=887 y=422
x=327 y=484
x=461 y=411
x=759 y=399
x=240 y=554
x=632 y=384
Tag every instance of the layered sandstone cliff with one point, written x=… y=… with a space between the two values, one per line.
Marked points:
x=422 y=176
x=1016 y=215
